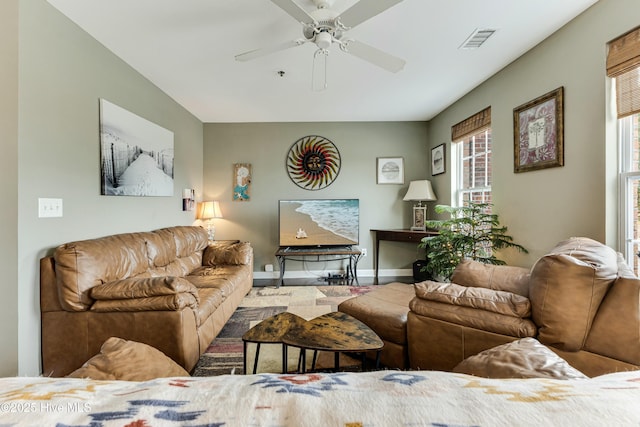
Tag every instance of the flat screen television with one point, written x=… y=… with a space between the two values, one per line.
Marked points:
x=319 y=222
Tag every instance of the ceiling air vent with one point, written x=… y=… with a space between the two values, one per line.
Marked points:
x=477 y=38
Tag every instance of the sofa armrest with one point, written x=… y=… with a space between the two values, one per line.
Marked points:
x=500 y=302
x=236 y=253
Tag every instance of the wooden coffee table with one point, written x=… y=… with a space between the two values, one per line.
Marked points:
x=332 y=332
x=270 y=331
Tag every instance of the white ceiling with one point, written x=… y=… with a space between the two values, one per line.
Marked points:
x=187 y=49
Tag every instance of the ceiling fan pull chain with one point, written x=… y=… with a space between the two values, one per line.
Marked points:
x=319 y=83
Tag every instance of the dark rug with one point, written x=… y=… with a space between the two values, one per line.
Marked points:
x=225 y=354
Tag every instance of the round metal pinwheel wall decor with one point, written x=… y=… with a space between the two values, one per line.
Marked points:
x=313 y=162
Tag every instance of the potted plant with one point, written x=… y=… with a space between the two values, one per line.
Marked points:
x=471 y=232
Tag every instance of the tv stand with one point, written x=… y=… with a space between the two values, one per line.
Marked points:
x=320 y=254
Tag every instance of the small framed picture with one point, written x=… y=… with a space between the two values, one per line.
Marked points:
x=419 y=216
x=538 y=133
x=438 y=160
x=390 y=170
x=241 y=182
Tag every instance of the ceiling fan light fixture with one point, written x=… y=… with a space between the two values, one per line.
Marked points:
x=323 y=39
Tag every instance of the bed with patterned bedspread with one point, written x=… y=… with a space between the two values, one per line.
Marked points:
x=384 y=398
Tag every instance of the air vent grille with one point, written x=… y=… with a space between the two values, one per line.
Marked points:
x=477 y=38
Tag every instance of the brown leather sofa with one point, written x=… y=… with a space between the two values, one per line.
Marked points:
x=580 y=300
x=170 y=288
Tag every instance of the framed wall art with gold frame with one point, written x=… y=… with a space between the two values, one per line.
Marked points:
x=538 y=133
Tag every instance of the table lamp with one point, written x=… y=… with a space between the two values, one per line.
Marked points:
x=208 y=211
x=419 y=191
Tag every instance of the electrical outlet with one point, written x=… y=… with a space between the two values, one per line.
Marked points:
x=49 y=208
x=363 y=251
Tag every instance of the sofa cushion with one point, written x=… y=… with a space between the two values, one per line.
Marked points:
x=128 y=361
x=498 y=277
x=237 y=253
x=473 y=318
x=506 y=303
x=524 y=358
x=84 y=264
x=161 y=247
x=566 y=289
x=174 y=302
x=188 y=239
x=143 y=287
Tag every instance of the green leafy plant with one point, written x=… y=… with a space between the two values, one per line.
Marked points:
x=471 y=232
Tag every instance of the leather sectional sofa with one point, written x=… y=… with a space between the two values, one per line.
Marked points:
x=580 y=300
x=169 y=288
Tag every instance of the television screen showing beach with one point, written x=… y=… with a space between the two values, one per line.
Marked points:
x=330 y=222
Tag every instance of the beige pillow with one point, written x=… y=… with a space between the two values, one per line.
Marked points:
x=129 y=361
x=524 y=358
x=238 y=253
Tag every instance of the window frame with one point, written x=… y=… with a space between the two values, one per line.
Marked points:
x=458 y=168
x=627 y=174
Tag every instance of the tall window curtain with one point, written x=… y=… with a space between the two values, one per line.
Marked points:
x=623 y=63
x=471 y=126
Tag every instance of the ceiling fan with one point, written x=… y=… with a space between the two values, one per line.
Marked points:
x=325 y=27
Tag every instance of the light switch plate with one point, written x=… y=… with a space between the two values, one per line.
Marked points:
x=49 y=208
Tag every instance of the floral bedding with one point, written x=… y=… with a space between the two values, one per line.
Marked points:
x=372 y=399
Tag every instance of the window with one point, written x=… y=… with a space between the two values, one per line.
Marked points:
x=623 y=64
x=629 y=138
x=472 y=159
x=474 y=169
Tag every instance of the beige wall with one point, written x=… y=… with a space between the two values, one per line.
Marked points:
x=9 y=187
x=542 y=207
x=63 y=73
x=265 y=146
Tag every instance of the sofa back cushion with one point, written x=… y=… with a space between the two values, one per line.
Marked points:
x=176 y=251
x=566 y=289
x=497 y=277
x=81 y=265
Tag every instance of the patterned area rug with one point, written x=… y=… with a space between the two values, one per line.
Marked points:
x=225 y=354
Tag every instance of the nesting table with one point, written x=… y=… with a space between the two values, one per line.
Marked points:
x=332 y=332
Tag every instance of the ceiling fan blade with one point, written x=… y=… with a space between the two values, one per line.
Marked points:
x=373 y=55
x=293 y=9
x=363 y=10
x=257 y=53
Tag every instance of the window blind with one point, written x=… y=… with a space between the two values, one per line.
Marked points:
x=623 y=63
x=471 y=125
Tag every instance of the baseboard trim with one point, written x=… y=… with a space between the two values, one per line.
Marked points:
x=304 y=274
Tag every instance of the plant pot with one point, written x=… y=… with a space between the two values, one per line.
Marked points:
x=419 y=272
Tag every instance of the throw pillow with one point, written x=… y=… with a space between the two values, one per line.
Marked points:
x=524 y=358
x=128 y=361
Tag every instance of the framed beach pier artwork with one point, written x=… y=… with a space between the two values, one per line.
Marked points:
x=136 y=154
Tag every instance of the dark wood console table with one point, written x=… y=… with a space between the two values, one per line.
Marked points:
x=399 y=236
x=351 y=253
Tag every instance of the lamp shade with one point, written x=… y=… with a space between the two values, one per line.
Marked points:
x=210 y=210
x=420 y=190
